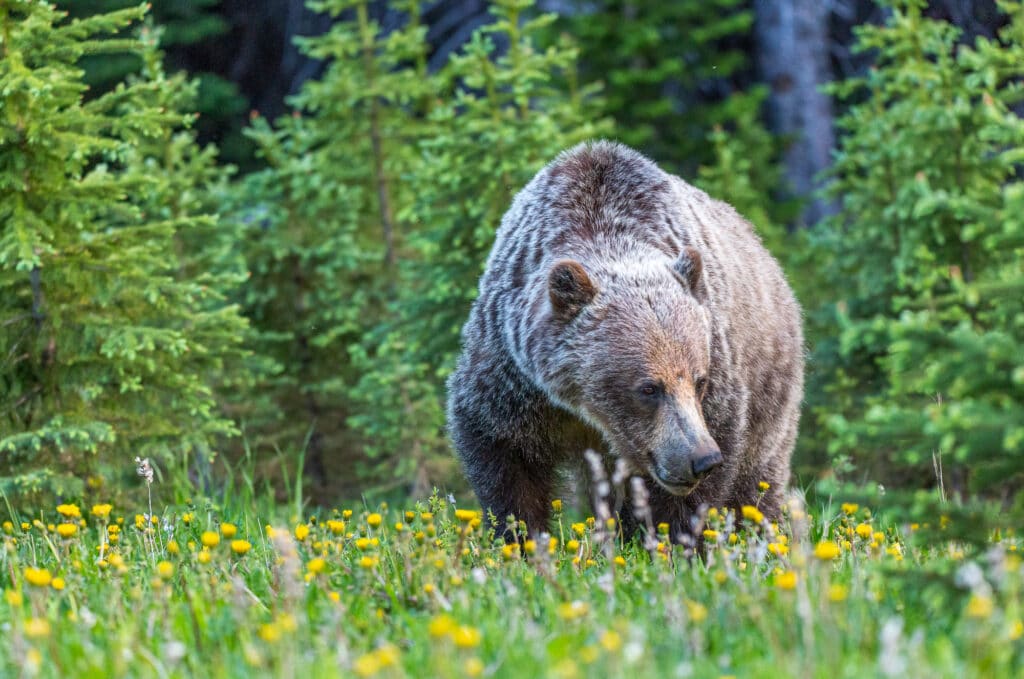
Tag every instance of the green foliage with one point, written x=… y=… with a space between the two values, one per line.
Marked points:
x=112 y=348
x=668 y=70
x=927 y=384
x=370 y=227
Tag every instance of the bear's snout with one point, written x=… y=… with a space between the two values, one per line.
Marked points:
x=682 y=466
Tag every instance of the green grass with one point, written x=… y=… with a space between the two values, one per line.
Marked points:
x=408 y=591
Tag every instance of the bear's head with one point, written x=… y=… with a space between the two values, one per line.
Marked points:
x=634 y=360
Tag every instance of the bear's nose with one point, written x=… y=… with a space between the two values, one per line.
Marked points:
x=705 y=462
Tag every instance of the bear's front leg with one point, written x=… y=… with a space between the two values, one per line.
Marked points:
x=509 y=481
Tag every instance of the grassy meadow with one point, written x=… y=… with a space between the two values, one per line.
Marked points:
x=423 y=590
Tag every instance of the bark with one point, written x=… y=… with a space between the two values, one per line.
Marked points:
x=792 y=53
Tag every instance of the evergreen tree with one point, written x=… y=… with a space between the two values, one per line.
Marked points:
x=928 y=387
x=326 y=225
x=113 y=349
x=670 y=70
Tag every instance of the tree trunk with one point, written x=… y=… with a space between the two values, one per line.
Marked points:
x=793 y=55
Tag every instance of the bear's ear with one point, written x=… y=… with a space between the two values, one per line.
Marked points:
x=690 y=268
x=570 y=288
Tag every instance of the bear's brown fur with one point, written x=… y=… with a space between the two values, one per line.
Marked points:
x=624 y=310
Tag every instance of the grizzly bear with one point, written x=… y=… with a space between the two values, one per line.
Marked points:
x=623 y=310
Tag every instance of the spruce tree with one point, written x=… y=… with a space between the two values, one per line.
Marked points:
x=112 y=349
x=928 y=388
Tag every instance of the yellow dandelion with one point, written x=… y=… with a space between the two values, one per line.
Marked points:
x=37 y=628
x=610 y=641
x=240 y=547
x=13 y=597
x=850 y=508
x=579 y=528
x=374 y=520
x=778 y=549
x=203 y=557
x=465 y=636
x=102 y=511
x=473 y=667
x=662 y=529
x=336 y=527
x=826 y=550
x=165 y=569
x=698 y=612
x=572 y=545
x=837 y=592
x=763 y=486
x=210 y=539
x=67 y=530
x=556 y=505
x=270 y=632
x=863 y=530
x=316 y=565
x=1016 y=630
x=69 y=511
x=572 y=610
x=710 y=534
x=228 y=530
x=301 y=532
x=187 y=518
x=620 y=561
x=58 y=584
x=368 y=562
x=786 y=580
x=465 y=515
x=751 y=513
x=979 y=606
x=441 y=625
x=38 y=577
x=173 y=548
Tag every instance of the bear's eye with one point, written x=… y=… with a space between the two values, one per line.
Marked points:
x=649 y=389
x=700 y=385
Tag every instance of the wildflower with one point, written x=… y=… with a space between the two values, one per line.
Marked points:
x=102 y=511
x=826 y=550
x=165 y=569
x=465 y=515
x=362 y=544
x=473 y=667
x=346 y=514
x=662 y=529
x=301 y=532
x=530 y=546
x=572 y=545
x=374 y=520
x=710 y=534
x=203 y=557
x=579 y=528
x=763 y=486
x=58 y=584
x=67 y=530
x=508 y=552
x=13 y=597
x=849 y=508
x=979 y=606
x=620 y=561
x=368 y=562
x=733 y=538
x=37 y=628
x=778 y=549
x=752 y=514
x=611 y=641
x=572 y=610
x=556 y=505
x=786 y=580
x=172 y=547
x=863 y=530
x=441 y=625
x=24 y=525
x=210 y=539
x=38 y=577
x=336 y=527
x=8 y=527
x=1016 y=630
x=465 y=636
x=316 y=565
x=270 y=632
x=69 y=511
x=228 y=530
x=698 y=612
x=837 y=592
x=240 y=547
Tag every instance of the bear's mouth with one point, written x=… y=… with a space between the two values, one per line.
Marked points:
x=678 y=489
